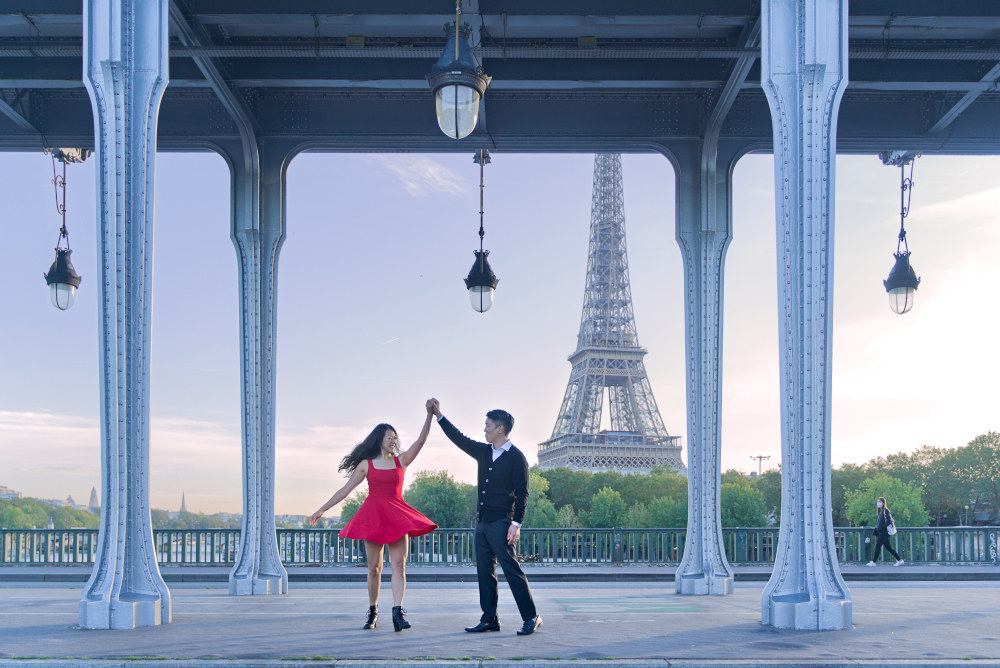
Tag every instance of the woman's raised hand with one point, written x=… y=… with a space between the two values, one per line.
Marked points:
x=430 y=406
x=315 y=516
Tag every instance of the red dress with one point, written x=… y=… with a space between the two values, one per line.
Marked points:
x=384 y=517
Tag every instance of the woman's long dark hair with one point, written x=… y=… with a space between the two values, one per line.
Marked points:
x=370 y=448
x=885 y=505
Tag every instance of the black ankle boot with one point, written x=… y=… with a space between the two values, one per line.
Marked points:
x=372 y=617
x=398 y=620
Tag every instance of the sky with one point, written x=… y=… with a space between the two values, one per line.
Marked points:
x=374 y=318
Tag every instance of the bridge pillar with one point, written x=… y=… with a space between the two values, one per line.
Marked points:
x=704 y=230
x=258 y=169
x=804 y=73
x=125 y=71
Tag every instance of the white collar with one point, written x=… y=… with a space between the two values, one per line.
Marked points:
x=506 y=446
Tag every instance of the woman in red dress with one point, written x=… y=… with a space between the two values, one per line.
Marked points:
x=384 y=518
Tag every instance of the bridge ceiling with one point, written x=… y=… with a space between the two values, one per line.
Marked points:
x=923 y=72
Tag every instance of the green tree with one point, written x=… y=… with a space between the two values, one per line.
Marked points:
x=666 y=513
x=567 y=487
x=351 y=505
x=566 y=518
x=979 y=467
x=469 y=493
x=637 y=517
x=597 y=482
x=29 y=513
x=904 y=501
x=769 y=485
x=639 y=488
x=931 y=471
x=607 y=509
x=539 y=513
x=846 y=478
x=437 y=495
x=742 y=506
x=734 y=477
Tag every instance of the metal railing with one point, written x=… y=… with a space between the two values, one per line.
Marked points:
x=612 y=547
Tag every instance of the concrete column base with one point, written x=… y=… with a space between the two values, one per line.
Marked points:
x=802 y=613
x=140 y=610
x=701 y=584
x=263 y=585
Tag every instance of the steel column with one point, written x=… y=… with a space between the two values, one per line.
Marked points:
x=704 y=230
x=126 y=72
x=804 y=70
x=258 y=231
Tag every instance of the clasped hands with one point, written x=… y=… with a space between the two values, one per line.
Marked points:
x=434 y=407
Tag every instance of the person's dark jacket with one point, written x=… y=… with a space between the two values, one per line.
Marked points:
x=882 y=522
x=503 y=484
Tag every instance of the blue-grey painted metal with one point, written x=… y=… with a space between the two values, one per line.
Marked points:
x=126 y=72
x=703 y=234
x=804 y=72
x=703 y=231
x=258 y=231
x=324 y=547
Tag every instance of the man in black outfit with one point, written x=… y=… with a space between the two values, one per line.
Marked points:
x=503 y=495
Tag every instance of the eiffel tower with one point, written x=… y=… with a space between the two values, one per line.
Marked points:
x=608 y=358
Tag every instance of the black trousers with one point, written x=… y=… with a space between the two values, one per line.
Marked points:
x=883 y=539
x=491 y=546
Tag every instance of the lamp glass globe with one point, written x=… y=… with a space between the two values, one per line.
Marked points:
x=457 y=110
x=62 y=295
x=901 y=299
x=481 y=298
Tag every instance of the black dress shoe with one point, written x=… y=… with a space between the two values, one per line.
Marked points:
x=530 y=626
x=484 y=626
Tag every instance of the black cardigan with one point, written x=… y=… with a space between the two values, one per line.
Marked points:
x=503 y=484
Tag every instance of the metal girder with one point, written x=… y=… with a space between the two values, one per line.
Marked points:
x=19 y=120
x=988 y=81
x=521 y=84
x=611 y=52
x=215 y=73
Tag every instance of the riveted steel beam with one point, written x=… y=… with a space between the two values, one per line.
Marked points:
x=990 y=80
x=804 y=69
x=19 y=120
x=126 y=72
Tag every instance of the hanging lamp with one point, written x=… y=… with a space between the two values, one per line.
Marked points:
x=457 y=81
x=61 y=276
x=481 y=281
x=903 y=281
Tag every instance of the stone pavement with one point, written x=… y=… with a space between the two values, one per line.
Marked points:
x=915 y=623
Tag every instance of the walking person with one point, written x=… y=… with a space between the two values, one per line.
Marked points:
x=884 y=528
x=502 y=498
x=384 y=518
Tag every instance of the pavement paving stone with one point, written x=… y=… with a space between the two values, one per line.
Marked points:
x=590 y=623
